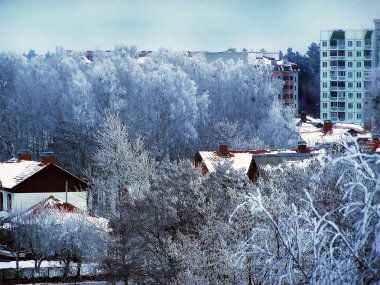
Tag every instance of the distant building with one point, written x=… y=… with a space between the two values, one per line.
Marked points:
x=284 y=70
x=347 y=59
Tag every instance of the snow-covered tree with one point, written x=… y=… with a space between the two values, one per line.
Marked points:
x=327 y=233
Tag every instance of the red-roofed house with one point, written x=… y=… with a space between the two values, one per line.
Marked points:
x=251 y=162
x=24 y=182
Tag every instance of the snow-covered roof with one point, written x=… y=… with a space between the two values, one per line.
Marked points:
x=67 y=211
x=14 y=171
x=312 y=131
x=240 y=159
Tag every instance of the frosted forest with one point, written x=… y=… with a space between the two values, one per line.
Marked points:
x=131 y=128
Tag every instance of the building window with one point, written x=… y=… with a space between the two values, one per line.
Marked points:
x=9 y=202
x=349 y=64
x=358 y=116
x=324 y=95
x=349 y=54
x=295 y=88
x=358 y=64
x=358 y=85
x=350 y=85
x=350 y=105
x=324 y=43
x=324 y=74
x=358 y=43
x=324 y=84
x=334 y=104
x=350 y=95
x=341 y=73
x=350 y=74
x=324 y=115
x=358 y=54
x=349 y=43
x=359 y=105
x=358 y=74
x=349 y=116
x=334 y=114
x=324 y=105
x=1 y=201
x=324 y=54
x=359 y=95
x=367 y=73
x=324 y=64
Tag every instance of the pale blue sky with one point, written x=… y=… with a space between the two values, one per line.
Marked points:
x=180 y=25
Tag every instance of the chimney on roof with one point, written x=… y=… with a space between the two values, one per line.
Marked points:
x=302 y=146
x=375 y=142
x=24 y=154
x=303 y=116
x=47 y=157
x=223 y=148
x=327 y=126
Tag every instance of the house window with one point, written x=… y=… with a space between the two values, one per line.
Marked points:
x=349 y=43
x=358 y=54
x=359 y=105
x=358 y=43
x=359 y=95
x=1 y=201
x=9 y=201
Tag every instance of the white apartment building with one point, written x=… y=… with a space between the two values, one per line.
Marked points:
x=347 y=59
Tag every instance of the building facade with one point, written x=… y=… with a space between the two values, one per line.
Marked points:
x=347 y=59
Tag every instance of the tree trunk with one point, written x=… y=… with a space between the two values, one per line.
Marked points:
x=79 y=265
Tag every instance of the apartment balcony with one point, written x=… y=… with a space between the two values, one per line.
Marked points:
x=342 y=109
x=367 y=78
x=285 y=92
x=334 y=47
x=342 y=47
x=333 y=67
x=334 y=99
x=333 y=88
x=286 y=73
x=288 y=82
x=368 y=57
x=333 y=77
x=342 y=57
x=341 y=67
x=287 y=101
x=334 y=109
x=368 y=47
x=334 y=57
x=342 y=78
x=342 y=119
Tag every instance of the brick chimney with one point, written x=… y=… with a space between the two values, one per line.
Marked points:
x=303 y=116
x=47 y=157
x=302 y=146
x=327 y=126
x=24 y=154
x=223 y=148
